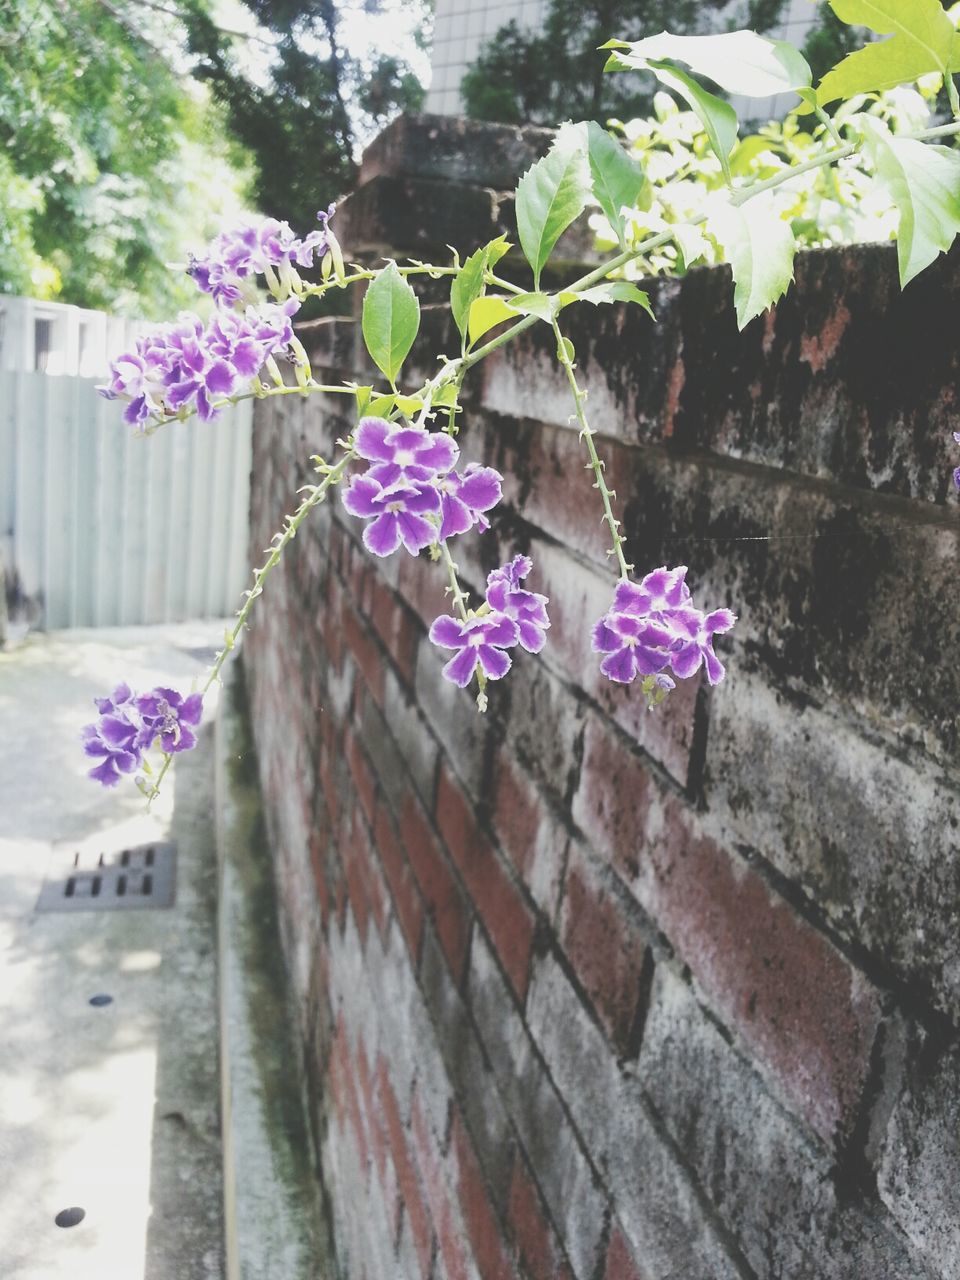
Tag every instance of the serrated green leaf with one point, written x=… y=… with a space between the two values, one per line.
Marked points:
x=391 y=320
x=924 y=183
x=409 y=404
x=551 y=195
x=380 y=406
x=738 y=61
x=446 y=395
x=760 y=248
x=922 y=40
x=691 y=242
x=717 y=117
x=487 y=312
x=566 y=350
x=611 y=291
x=468 y=283
x=618 y=180
x=540 y=305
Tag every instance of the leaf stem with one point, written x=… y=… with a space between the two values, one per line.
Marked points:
x=315 y=494
x=596 y=463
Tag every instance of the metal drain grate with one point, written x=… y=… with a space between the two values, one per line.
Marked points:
x=129 y=879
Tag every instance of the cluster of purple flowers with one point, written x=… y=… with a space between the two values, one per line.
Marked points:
x=509 y=616
x=129 y=725
x=956 y=472
x=238 y=256
x=654 y=626
x=410 y=492
x=187 y=365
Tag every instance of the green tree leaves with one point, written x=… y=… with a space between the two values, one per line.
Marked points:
x=760 y=248
x=924 y=183
x=390 y=321
x=922 y=40
x=551 y=195
x=468 y=285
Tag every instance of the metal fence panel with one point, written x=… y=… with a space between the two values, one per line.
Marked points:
x=99 y=527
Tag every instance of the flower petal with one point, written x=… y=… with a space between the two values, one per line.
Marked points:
x=447 y=632
x=495 y=662
x=619 y=666
x=460 y=668
x=360 y=497
x=415 y=532
x=382 y=536
x=371 y=440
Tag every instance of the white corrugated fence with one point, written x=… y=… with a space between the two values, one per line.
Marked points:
x=100 y=527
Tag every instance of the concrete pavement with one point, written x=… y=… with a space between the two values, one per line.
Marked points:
x=110 y=1108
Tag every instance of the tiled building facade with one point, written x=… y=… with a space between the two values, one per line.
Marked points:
x=463 y=26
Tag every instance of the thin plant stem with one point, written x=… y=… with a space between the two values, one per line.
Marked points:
x=596 y=463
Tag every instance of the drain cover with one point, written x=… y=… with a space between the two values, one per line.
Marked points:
x=125 y=880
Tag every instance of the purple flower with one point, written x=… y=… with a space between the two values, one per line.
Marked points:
x=465 y=497
x=167 y=715
x=186 y=366
x=129 y=725
x=404 y=453
x=236 y=257
x=397 y=513
x=480 y=642
x=654 y=625
x=956 y=473
x=527 y=608
x=113 y=740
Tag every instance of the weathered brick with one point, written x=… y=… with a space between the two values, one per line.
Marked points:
x=517 y=799
x=410 y=1189
x=553 y=1149
x=505 y=914
x=535 y=1241
x=780 y=1186
x=919 y=1173
x=363 y=778
x=452 y=1244
x=486 y=1232
x=620 y=1264
x=870 y=835
x=403 y=888
x=364 y=650
x=438 y=884
x=659 y=1209
x=606 y=942
x=804 y=1010
x=413 y=737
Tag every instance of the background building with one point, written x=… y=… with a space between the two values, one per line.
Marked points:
x=462 y=26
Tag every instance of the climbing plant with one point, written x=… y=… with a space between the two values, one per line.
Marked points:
x=399 y=469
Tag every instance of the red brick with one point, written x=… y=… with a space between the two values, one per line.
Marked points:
x=446 y=901
x=606 y=948
x=403 y=888
x=538 y=1249
x=365 y=652
x=422 y=587
x=453 y=1247
x=376 y=1124
x=410 y=1190
x=517 y=810
x=505 y=914
x=484 y=1230
x=342 y=1072
x=620 y=1264
x=362 y=775
x=806 y=1013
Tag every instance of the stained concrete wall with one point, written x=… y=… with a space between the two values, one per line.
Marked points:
x=587 y=991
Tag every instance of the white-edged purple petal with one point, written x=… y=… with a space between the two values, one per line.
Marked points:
x=416 y=532
x=382 y=536
x=447 y=632
x=495 y=662
x=361 y=497
x=461 y=667
x=371 y=439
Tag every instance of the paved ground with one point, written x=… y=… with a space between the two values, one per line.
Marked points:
x=111 y=1109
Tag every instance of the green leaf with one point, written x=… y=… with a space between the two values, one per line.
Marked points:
x=924 y=183
x=717 y=117
x=611 y=291
x=760 y=248
x=738 y=61
x=409 y=405
x=540 y=305
x=487 y=312
x=381 y=406
x=363 y=395
x=391 y=319
x=922 y=40
x=468 y=283
x=551 y=195
x=618 y=180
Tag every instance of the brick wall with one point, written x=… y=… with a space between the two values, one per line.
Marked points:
x=592 y=992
